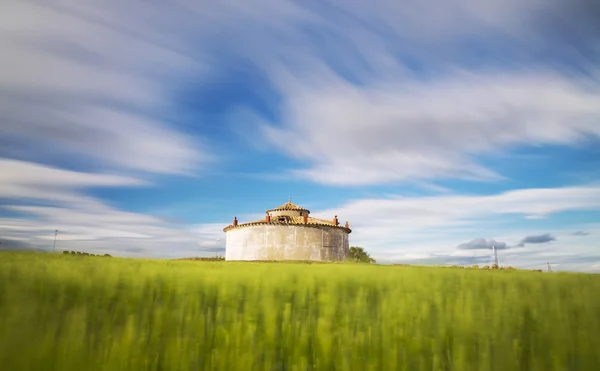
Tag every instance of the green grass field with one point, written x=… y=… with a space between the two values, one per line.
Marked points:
x=94 y=313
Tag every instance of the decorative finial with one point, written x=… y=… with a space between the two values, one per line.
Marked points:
x=289 y=199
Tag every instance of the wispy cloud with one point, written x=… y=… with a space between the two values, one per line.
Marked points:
x=90 y=87
x=395 y=228
x=81 y=81
x=30 y=182
x=42 y=199
x=409 y=129
x=103 y=229
x=365 y=116
x=453 y=210
x=367 y=92
x=103 y=82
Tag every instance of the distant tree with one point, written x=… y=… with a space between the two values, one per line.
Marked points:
x=358 y=254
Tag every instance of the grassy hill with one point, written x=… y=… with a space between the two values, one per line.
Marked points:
x=64 y=312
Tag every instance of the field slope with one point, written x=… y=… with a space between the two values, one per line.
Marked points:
x=94 y=313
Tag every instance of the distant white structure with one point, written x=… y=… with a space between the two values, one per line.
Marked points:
x=287 y=232
x=495 y=251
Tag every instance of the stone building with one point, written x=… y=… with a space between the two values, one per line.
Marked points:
x=287 y=232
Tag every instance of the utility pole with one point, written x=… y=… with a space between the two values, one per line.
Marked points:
x=54 y=245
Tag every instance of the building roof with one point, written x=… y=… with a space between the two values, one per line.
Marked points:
x=288 y=206
x=290 y=220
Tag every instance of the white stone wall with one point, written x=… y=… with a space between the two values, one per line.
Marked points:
x=286 y=242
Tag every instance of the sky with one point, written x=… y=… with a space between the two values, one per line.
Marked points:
x=436 y=129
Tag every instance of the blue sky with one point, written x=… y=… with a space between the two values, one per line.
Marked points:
x=141 y=128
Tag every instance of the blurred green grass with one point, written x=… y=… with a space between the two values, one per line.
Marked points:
x=93 y=313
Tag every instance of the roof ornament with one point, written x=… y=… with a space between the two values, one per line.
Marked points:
x=288 y=206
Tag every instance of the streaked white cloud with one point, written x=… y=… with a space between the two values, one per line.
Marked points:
x=406 y=129
x=95 y=82
x=85 y=81
x=424 y=230
x=42 y=199
x=29 y=182
x=453 y=210
x=395 y=229
x=21 y=173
